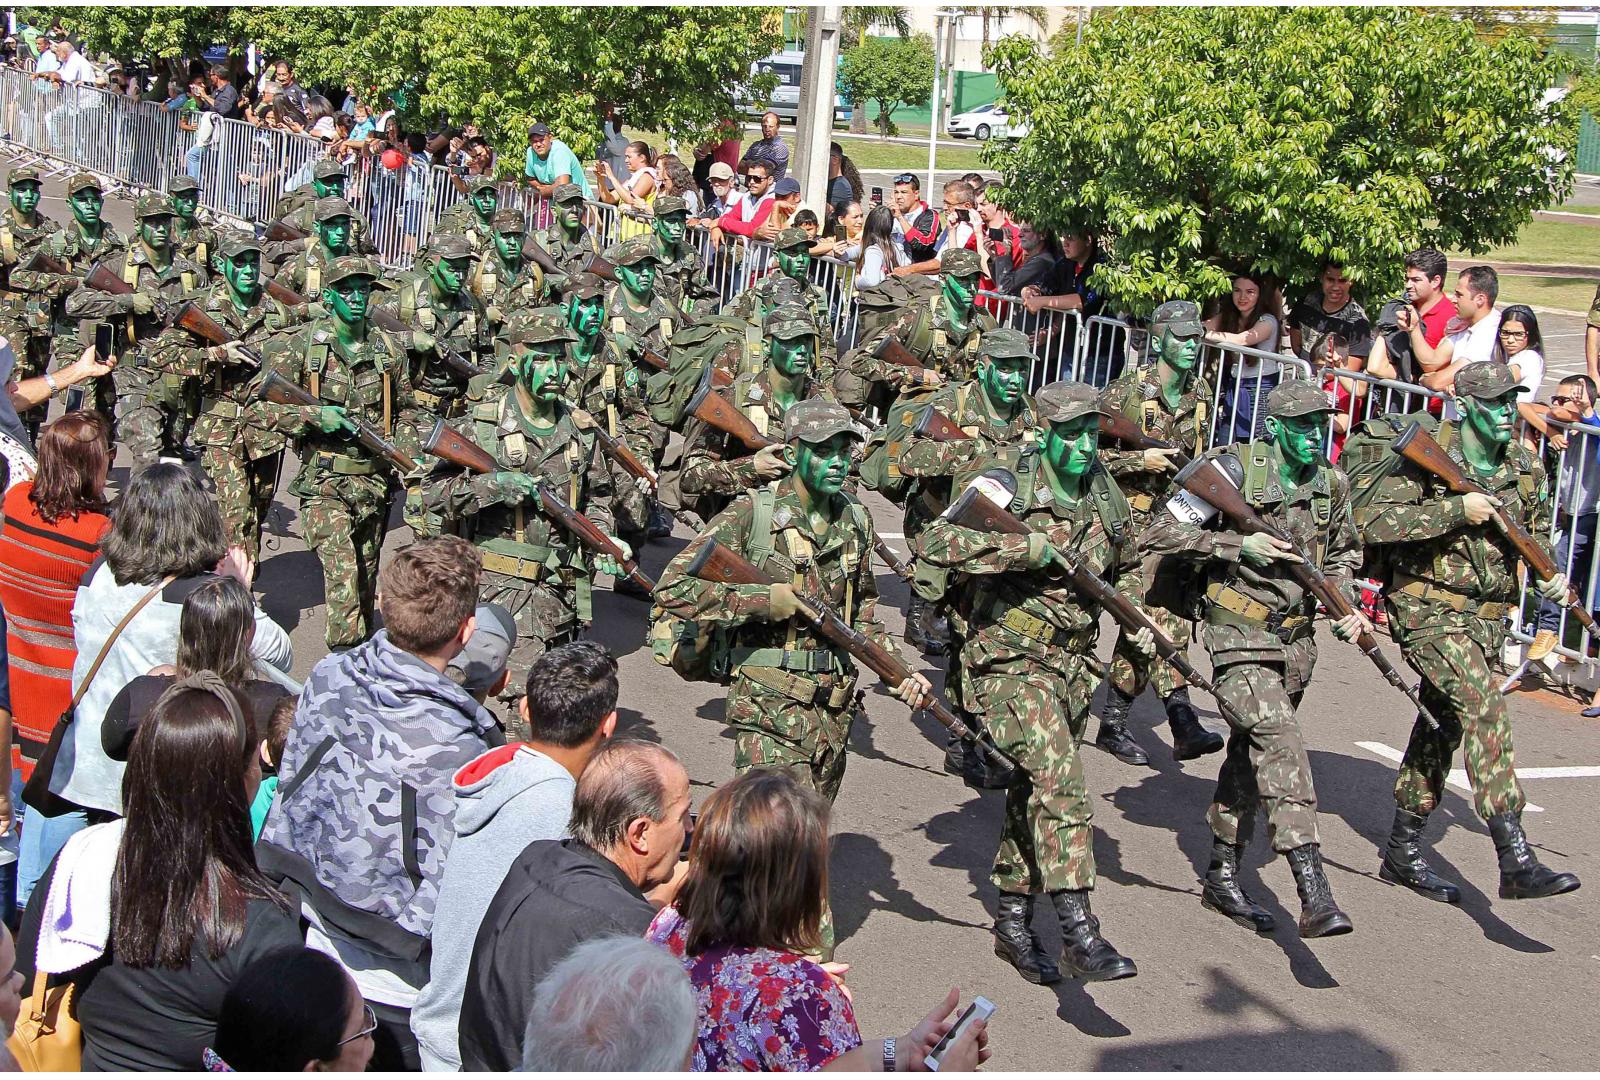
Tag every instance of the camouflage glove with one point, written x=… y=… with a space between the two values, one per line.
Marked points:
x=139 y=303
x=422 y=341
x=608 y=565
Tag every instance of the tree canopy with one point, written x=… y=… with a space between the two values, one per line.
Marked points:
x=1202 y=141
x=889 y=71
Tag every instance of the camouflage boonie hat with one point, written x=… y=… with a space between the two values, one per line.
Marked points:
x=565 y=193
x=670 y=204
x=789 y=321
x=236 y=243
x=478 y=183
x=182 y=182
x=349 y=266
x=636 y=249
x=1181 y=317
x=530 y=328
x=1486 y=379
x=789 y=238
x=585 y=287
x=816 y=420
x=508 y=220
x=26 y=172
x=1059 y=402
x=327 y=169
x=153 y=205
x=1297 y=397
x=331 y=207
x=451 y=246
x=959 y=262
x=84 y=181
x=1003 y=341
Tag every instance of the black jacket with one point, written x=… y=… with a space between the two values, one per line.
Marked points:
x=557 y=895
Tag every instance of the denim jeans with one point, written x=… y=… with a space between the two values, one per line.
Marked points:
x=1575 y=540
x=191 y=161
x=42 y=837
x=1249 y=401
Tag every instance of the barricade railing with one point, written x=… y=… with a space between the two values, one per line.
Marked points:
x=1359 y=396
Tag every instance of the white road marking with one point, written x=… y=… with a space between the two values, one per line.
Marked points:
x=1457 y=778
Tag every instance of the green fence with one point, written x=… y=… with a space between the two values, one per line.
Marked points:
x=973 y=88
x=1588 y=146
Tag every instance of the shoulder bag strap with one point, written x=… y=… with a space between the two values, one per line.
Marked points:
x=94 y=668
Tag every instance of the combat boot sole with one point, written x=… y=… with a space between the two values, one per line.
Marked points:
x=1260 y=921
x=1554 y=885
x=1444 y=893
x=1047 y=974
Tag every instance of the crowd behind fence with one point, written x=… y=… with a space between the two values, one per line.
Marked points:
x=244 y=169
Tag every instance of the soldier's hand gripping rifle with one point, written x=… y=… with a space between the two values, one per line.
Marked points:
x=1210 y=484
x=103 y=279
x=618 y=451
x=1130 y=434
x=719 y=564
x=1420 y=448
x=280 y=391
x=203 y=326
x=447 y=444
x=975 y=510
x=718 y=412
x=382 y=318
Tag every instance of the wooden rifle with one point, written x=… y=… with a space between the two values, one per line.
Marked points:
x=280 y=391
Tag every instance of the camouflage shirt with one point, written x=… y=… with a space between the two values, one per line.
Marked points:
x=18 y=238
x=967 y=406
x=68 y=246
x=196 y=242
x=756 y=302
x=297 y=209
x=229 y=411
x=570 y=255
x=611 y=389
x=1315 y=516
x=145 y=340
x=718 y=464
x=682 y=276
x=1137 y=395
x=461 y=218
x=924 y=328
x=303 y=264
x=652 y=327
x=458 y=322
x=504 y=294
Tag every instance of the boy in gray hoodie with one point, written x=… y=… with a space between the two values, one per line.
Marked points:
x=505 y=800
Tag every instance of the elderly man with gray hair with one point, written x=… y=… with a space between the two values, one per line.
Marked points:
x=615 y=1004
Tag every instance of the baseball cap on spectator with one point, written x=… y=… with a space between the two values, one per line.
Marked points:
x=538 y=129
x=720 y=170
x=787 y=186
x=480 y=666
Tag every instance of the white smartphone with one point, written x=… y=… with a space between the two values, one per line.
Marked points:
x=980 y=1009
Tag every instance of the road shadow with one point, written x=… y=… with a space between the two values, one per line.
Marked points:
x=862 y=880
x=632 y=724
x=288 y=585
x=1292 y=1047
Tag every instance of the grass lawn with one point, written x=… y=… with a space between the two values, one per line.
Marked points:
x=1573 y=208
x=1568 y=294
x=1554 y=243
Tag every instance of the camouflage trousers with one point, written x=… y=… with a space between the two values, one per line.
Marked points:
x=1034 y=701
x=1159 y=596
x=414 y=512
x=244 y=490
x=631 y=505
x=1463 y=694
x=546 y=614
x=153 y=410
x=342 y=519
x=1266 y=762
x=808 y=741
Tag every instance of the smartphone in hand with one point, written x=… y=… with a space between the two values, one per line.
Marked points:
x=980 y=1009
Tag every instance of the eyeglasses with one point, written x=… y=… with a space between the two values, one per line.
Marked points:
x=1514 y=334
x=905 y=178
x=369 y=1024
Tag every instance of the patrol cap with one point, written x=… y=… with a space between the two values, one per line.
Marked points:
x=1059 y=402
x=349 y=266
x=509 y=220
x=959 y=262
x=789 y=321
x=670 y=204
x=565 y=193
x=26 y=172
x=790 y=238
x=478 y=183
x=530 y=328
x=1003 y=341
x=84 y=181
x=182 y=182
x=326 y=209
x=1297 y=397
x=1486 y=379
x=451 y=246
x=817 y=420
x=636 y=249
x=585 y=287
x=152 y=205
x=1181 y=317
x=327 y=169
x=236 y=243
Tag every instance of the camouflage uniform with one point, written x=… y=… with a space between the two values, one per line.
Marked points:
x=532 y=567
x=304 y=262
x=295 y=210
x=682 y=273
x=653 y=327
x=342 y=486
x=504 y=293
x=25 y=317
x=461 y=218
x=155 y=374
x=756 y=302
x=570 y=255
x=240 y=451
x=194 y=240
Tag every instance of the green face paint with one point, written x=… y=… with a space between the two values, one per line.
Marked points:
x=1070 y=446
x=585 y=316
x=186 y=203
x=639 y=279
x=509 y=247
x=793 y=357
x=822 y=468
x=542 y=369
x=156 y=232
x=25 y=197
x=243 y=274
x=795 y=262
x=671 y=227
x=86 y=206
x=1298 y=438
x=960 y=292
x=1178 y=353
x=348 y=299
x=485 y=202
x=334 y=185
x=570 y=216
x=1003 y=379
x=450 y=274
x=335 y=233
x=1490 y=420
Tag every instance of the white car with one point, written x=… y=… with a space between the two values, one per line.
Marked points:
x=982 y=123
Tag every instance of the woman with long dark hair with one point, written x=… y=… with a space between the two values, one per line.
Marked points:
x=880 y=255
x=152 y=917
x=1248 y=318
x=1521 y=347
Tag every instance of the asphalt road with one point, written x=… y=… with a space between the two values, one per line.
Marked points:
x=1490 y=984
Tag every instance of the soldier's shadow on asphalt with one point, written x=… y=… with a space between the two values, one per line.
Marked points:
x=862 y=880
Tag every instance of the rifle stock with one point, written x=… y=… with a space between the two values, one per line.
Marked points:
x=975 y=510
x=719 y=378
x=601 y=269
x=935 y=425
x=275 y=388
x=448 y=444
x=281 y=232
x=1205 y=480
x=538 y=256
x=891 y=351
x=106 y=280
x=717 y=563
x=1130 y=434
x=191 y=318
x=42 y=261
x=1423 y=450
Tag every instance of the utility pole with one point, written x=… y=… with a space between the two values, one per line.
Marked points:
x=814 y=121
x=933 y=128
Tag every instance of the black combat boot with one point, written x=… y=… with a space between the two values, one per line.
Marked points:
x=1319 y=915
x=1113 y=736
x=1017 y=944
x=1403 y=863
x=1084 y=953
x=1221 y=892
x=917 y=625
x=1189 y=739
x=660 y=522
x=983 y=771
x=1522 y=875
x=957 y=748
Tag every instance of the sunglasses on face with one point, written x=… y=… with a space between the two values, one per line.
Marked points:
x=904 y=178
x=1563 y=399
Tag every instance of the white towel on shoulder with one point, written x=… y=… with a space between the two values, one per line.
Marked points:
x=76 y=928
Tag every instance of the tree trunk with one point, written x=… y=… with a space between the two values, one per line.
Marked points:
x=858 y=118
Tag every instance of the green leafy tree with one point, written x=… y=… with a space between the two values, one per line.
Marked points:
x=855 y=23
x=1201 y=141
x=889 y=71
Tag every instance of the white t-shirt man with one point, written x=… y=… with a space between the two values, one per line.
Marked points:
x=75 y=69
x=1471 y=344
